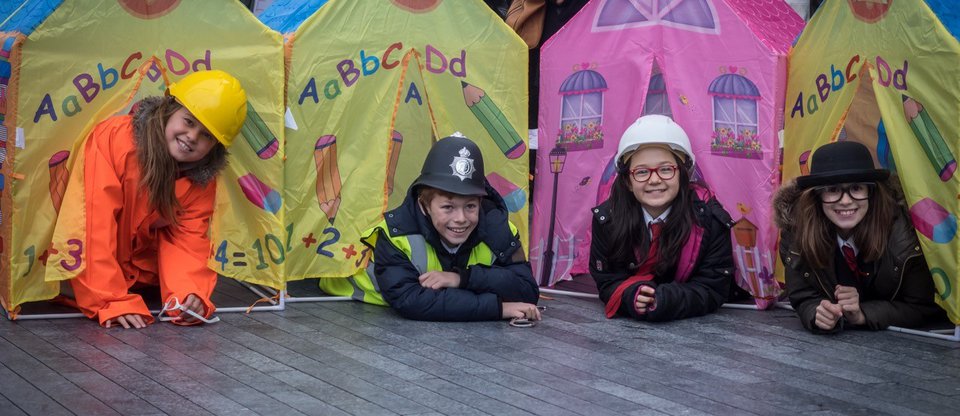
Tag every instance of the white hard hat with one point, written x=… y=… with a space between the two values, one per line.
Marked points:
x=655 y=129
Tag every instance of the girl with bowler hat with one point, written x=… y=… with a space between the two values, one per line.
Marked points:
x=850 y=254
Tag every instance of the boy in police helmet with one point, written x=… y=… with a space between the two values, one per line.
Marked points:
x=448 y=253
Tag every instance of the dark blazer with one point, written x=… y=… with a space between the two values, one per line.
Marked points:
x=704 y=291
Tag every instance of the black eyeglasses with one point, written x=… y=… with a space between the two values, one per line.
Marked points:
x=664 y=172
x=834 y=193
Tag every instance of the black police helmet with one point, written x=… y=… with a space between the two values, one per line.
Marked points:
x=454 y=164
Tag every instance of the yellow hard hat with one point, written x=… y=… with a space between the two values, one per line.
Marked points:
x=216 y=99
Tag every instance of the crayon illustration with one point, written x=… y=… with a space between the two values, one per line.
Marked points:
x=929 y=137
x=804 y=168
x=258 y=136
x=58 y=177
x=396 y=142
x=493 y=121
x=328 y=175
x=262 y=195
x=933 y=221
x=513 y=196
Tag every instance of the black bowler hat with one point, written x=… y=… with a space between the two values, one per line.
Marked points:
x=841 y=162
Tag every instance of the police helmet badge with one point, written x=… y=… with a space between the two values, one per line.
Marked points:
x=463 y=165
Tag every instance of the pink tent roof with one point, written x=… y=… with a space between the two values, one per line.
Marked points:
x=773 y=21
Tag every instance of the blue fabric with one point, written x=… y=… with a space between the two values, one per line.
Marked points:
x=29 y=15
x=285 y=16
x=948 y=13
x=7 y=8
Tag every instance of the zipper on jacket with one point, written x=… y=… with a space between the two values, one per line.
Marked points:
x=829 y=293
x=903 y=268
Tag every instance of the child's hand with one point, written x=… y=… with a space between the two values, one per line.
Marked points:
x=127 y=321
x=192 y=303
x=827 y=315
x=646 y=299
x=439 y=280
x=520 y=310
x=849 y=299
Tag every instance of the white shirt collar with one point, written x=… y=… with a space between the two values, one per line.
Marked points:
x=650 y=220
x=841 y=242
x=450 y=249
x=660 y=218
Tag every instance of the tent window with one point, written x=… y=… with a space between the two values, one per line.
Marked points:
x=657 y=101
x=692 y=15
x=581 y=112
x=581 y=115
x=737 y=115
x=735 y=127
x=735 y=118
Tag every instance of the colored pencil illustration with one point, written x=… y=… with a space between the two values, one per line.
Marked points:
x=933 y=221
x=493 y=120
x=260 y=194
x=930 y=138
x=258 y=136
x=58 y=177
x=514 y=197
x=396 y=142
x=328 y=175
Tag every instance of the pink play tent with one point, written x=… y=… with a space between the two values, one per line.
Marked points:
x=718 y=67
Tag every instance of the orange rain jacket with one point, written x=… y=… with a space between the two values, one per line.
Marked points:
x=129 y=242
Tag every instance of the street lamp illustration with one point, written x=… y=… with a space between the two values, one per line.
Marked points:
x=557 y=158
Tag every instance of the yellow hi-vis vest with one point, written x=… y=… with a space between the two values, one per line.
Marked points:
x=363 y=286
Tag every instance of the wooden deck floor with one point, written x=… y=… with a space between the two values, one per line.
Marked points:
x=337 y=358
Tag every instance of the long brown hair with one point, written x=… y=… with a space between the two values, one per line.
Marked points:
x=158 y=170
x=816 y=235
x=631 y=229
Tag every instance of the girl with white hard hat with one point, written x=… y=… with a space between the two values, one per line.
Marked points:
x=661 y=245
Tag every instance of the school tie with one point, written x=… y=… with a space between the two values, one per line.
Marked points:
x=851 y=259
x=655 y=228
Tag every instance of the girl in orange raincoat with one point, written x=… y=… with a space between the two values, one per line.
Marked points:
x=150 y=189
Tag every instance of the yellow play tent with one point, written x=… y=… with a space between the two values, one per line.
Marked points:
x=371 y=85
x=887 y=74
x=66 y=64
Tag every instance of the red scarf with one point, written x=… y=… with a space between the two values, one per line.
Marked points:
x=643 y=274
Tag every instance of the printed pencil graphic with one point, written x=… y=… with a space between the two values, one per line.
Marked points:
x=260 y=194
x=493 y=120
x=258 y=136
x=58 y=177
x=396 y=142
x=328 y=175
x=929 y=137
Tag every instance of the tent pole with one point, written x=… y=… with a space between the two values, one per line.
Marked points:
x=318 y=299
x=751 y=307
x=930 y=334
x=258 y=292
x=231 y=309
x=244 y=309
x=568 y=293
